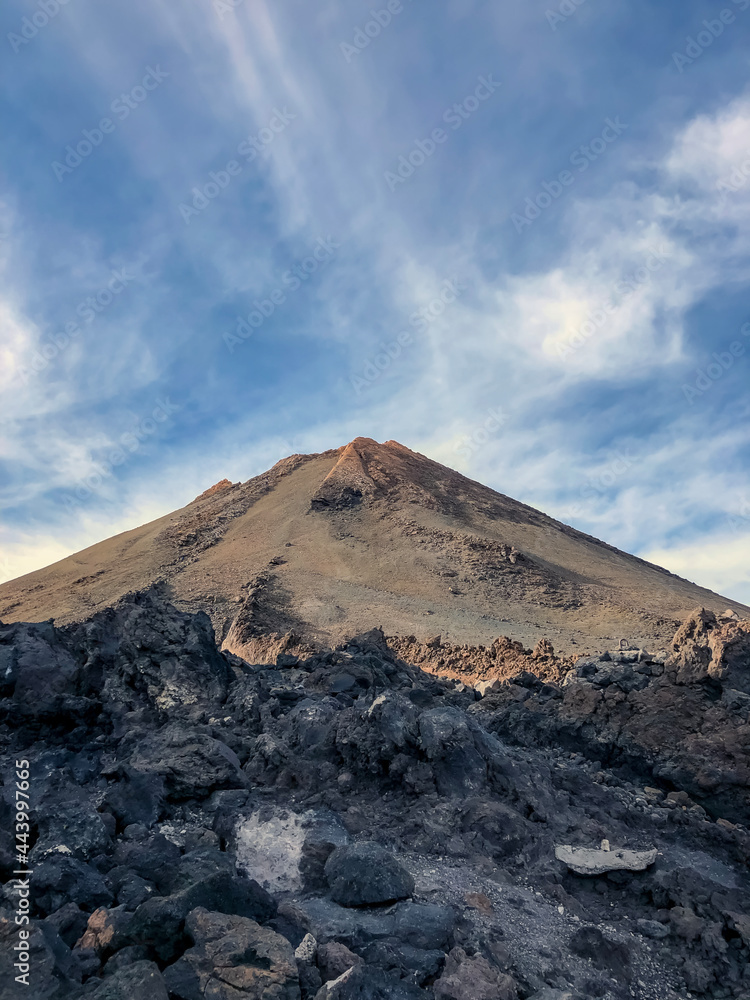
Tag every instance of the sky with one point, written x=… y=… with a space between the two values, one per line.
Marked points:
x=512 y=236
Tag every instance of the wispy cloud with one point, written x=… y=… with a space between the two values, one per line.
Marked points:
x=580 y=329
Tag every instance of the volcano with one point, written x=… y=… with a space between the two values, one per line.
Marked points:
x=325 y=546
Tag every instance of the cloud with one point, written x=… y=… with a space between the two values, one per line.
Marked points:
x=719 y=562
x=580 y=330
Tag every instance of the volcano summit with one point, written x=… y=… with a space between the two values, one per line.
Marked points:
x=324 y=546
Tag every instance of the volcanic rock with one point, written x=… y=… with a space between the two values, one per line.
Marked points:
x=233 y=957
x=406 y=779
x=589 y=861
x=371 y=533
x=365 y=875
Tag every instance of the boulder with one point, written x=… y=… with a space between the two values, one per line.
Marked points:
x=159 y=922
x=153 y=858
x=61 y=879
x=233 y=957
x=69 y=923
x=138 y=981
x=420 y=925
x=359 y=983
x=591 y=861
x=68 y=819
x=39 y=671
x=473 y=977
x=107 y=930
x=191 y=763
x=707 y=648
x=334 y=958
x=134 y=797
x=144 y=649
x=307 y=949
x=366 y=874
x=485 y=687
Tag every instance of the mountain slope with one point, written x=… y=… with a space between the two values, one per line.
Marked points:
x=331 y=544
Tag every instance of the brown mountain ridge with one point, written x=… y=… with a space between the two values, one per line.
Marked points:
x=327 y=545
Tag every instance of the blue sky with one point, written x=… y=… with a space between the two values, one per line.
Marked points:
x=513 y=237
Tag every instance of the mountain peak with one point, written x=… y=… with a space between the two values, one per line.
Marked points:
x=329 y=545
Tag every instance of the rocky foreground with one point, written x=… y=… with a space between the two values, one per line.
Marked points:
x=348 y=825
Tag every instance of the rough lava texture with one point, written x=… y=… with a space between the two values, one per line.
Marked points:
x=346 y=825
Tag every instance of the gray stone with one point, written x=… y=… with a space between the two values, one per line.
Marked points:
x=139 y=981
x=652 y=929
x=365 y=875
x=233 y=957
x=191 y=763
x=158 y=922
x=421 y=925
x=590 y=861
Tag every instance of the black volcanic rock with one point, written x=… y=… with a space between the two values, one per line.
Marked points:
x=365 y=874
x=231 y=957
x=189 y=761
x=139 y=981
x=159 y=922
x=187 y=835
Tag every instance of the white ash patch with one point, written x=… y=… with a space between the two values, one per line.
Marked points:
x=269 y=850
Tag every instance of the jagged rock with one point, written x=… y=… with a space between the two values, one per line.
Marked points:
x=421 y=925
x=334 y=958
x=447 y=738
x=39 y=672
x=705 y=647
x=652 y=929
x=138 y=981
x=159 y=922
x=365 y=874
x=421 y=965
x=590 y=861
x=143 y=644
x=107 y=930
x=126 y=957
x=67 y=819
x=153 y=857
x=61 y=879
x=191 y=763
x=233 y=957
x=69 y=923
x=485 y=687
x=473 y=977
x=133 y=797
x=307 y=949
x=686 y=923
x=359 y=984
